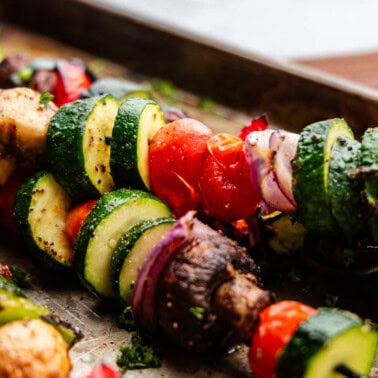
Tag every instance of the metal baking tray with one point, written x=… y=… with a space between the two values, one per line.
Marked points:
x=242 y=85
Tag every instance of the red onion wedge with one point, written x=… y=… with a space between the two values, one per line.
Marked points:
x=283 y=144
x=260 y=159
x=143 y=300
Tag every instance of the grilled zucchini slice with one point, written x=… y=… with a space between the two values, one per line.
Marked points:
x=113 y=215
x=41 y=207
x=369 y=171
x=78 y=144
x=310 y=173
x=344 y=188
x=136 y=123
x=132 y=249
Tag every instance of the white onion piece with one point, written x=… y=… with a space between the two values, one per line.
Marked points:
x=283 y=144
x=260 y=161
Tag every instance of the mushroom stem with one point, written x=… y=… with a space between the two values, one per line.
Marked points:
x=238 y=302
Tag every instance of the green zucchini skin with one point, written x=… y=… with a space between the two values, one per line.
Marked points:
x=124 y=254
x=114 y=214
x=310 y=168
x=78 y=145
x=325 y=340
x=40 y=209
x=369 y=174
x=136 y=123
x=344 y=189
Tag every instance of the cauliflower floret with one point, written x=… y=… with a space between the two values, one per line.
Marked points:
x=33 y=349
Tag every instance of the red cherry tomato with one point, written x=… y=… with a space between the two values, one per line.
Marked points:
x=104 y=371
x=72 y=80
x=227 y=192
x=76 y=218
x=277 y=324
x=7 y=197
x=176 y=153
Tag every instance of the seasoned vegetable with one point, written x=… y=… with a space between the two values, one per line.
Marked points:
x=325 y=341
x=227 y=192
x=369 y=171
x=277 y=324
x=344 y=188
x=78 y=144
x=131 y=251
x=33 y=349
x=136 y=123
x=23 y=124
x=113 y=215
x=41 y=207
x=310 y=173
x=176 y=154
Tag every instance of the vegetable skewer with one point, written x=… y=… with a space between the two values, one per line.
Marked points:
x=147 y=306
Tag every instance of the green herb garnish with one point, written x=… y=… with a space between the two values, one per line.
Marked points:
x=25 y=75
x=138 y=356
x=45 y=98
x=197 y=312
x=165 y=88
x=20 y=278
x=126 y=319
x=206 y=104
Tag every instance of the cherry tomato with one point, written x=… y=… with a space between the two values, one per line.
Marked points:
x=76 y=218
x=277 y=324
x=7 y=197
x=227 y=192
x=257 y=124
x=176 y=153
x=104 y=371
x=72 y=80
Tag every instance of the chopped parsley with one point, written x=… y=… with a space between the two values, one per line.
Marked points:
x=20 y=278
x=126 y=319
x=197 y=312
x=25 y=75
x=165 y=88
x=206 y=104
x=45 y=98
x=139 y=355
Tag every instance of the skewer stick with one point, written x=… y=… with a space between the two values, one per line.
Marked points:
x=347 y=372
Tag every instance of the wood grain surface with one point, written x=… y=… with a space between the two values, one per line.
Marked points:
x=359 y=68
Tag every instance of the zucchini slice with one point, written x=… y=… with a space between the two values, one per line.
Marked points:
x=344 y=188
x=41 y=207
x=113 y=215
x=132 y=249
x=369 y=171
x=326 y=340
x=310 y=173
x=136 y=123
x=78 y=144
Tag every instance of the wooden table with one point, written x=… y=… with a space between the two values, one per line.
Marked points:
x=359 y=68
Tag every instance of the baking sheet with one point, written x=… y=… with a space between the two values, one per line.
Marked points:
x=102 y=334
x=293 y=95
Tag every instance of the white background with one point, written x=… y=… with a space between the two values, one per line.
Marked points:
x=273 y=28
